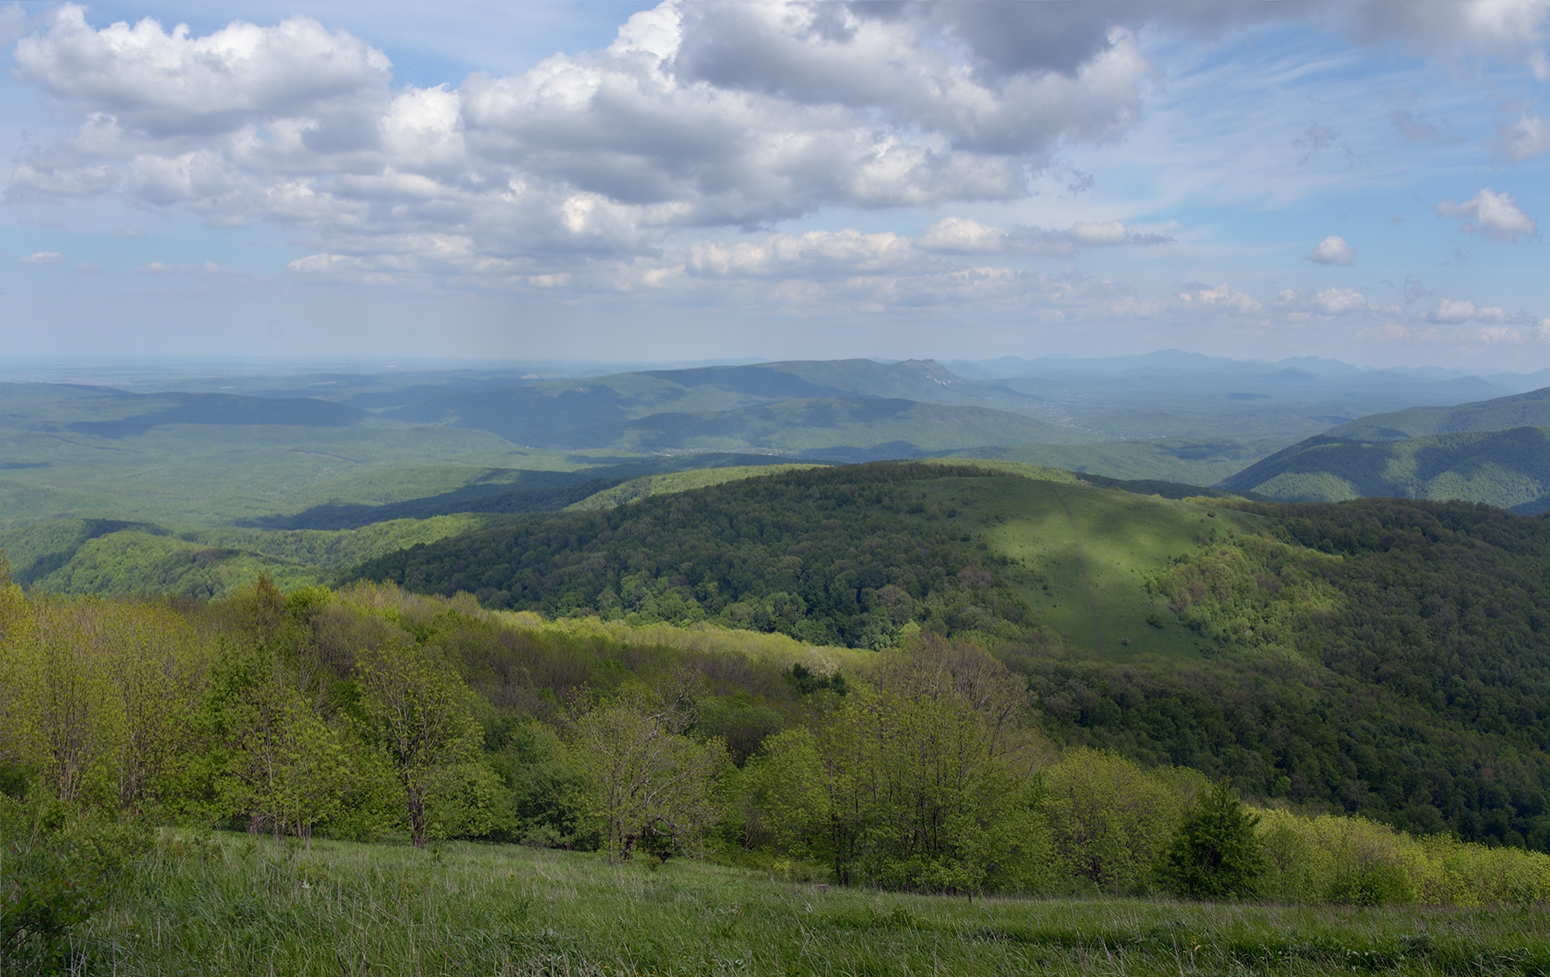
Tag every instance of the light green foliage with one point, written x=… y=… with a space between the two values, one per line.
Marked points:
x=784 y=798
x=281 y=766
x=640 y=488
x=76 y=556
x=1353 y=860
x=1082 y=556
x=99 y=694
x=416 y=712
x=922 y=777
x=1255 y=594
x=203 y=476
x=648 y=785
x=1110 y=821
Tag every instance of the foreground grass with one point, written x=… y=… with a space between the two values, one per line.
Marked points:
x=251 y=906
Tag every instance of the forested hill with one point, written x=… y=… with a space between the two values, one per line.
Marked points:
x=1530 y=409
x=1380 y=656
x=847 y=556
x=1509 y=469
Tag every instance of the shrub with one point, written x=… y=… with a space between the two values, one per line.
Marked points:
x=1215 y=852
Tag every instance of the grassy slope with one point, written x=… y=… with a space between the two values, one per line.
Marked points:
x=1057 y=531
x=641 y=488
x=238 y=905
x=1501 y=468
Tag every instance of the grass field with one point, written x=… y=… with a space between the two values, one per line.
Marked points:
x=1081 y=554
x=640 y=488
x=241 y=906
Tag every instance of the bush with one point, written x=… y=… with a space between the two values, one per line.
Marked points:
x=55 y=875
x=1215 y=853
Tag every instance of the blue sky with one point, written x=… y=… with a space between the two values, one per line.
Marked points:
x=683 y=181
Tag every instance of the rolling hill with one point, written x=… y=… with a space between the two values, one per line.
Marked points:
x=1530 y=409
x=1509 y=469
x=1381 y=657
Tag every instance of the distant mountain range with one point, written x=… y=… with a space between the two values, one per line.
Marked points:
x=1283 y=430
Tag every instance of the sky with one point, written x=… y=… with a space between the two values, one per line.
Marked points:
x=730 y=181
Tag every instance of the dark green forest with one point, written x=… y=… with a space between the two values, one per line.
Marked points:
x=848 y=556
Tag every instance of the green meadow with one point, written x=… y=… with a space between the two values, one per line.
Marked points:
x=1082 y=557
x=229 y=904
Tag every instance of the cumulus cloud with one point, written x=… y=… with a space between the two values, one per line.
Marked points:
x=1510 y=30
x=1328 y=302
x=697 y=120
x=1526 y=138
x=1220 y=299
x=170 y=83
x=823 y=253
x=43 y=258
x=1454 y=312
x=1333 y=251
x=959 y=235
x=695 y=116
x=1492 y=215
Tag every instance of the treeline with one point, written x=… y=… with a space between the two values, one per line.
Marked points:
x=372 y=712
x=859 y=556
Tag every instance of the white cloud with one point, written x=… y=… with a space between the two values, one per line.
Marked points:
x=208 y=268
x=1526 y=138
x=696 y=116
x=1099 y=234
x=340 y=268
x=43 y=258
x=960 y=235
x=170 y=83
x=820 y=253
x=1328 y=302
x=1333 y=251
x=1500 y=334
x=1220 y=299
x=1493 y=215
x=79 y=181
x=1451 y=312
